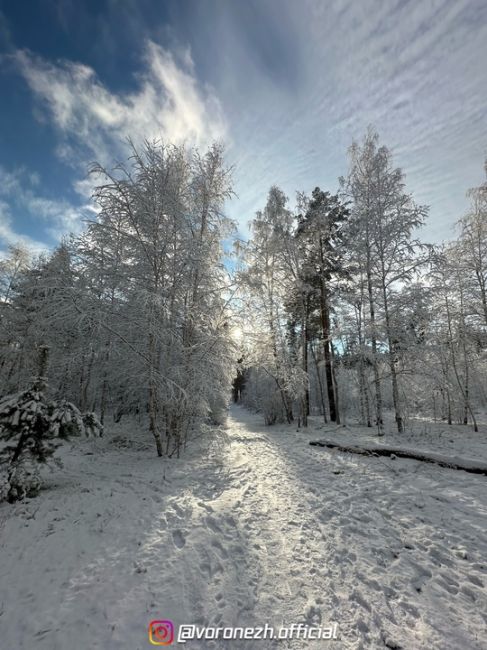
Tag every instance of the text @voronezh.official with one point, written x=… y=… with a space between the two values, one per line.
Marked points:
x=162 y=632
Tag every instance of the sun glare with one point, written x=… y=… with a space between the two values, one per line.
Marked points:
x=237 y=334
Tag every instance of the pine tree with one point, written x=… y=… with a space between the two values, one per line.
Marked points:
x=320 y=232
x=32 y=427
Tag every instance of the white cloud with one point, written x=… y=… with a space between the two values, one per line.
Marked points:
x=94 y=122
x=62 y=216
x=9 y=237
x=416 y=70
x=19 y=195
x=168 y=104
x=296 y=91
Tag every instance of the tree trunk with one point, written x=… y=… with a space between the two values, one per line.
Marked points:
x=86 y=382
x=448 y=398
x=392 y=363
x=425 y=457
x=325 y=327
x=373 y=342
x=153 y=406
x=455 y=369
x=304 y=345
x=320 y=383
x=364 y=393
x=335 y=385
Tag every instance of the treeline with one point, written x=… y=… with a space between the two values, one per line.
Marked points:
x=341 y=309
x=349 y=314
x=133 y=310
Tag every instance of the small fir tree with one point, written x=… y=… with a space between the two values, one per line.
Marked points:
x=31 y=429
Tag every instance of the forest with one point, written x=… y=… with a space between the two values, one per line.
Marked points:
x=350 y=313
x=333 y=307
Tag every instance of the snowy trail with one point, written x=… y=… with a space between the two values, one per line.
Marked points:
x=269 y=531
x=355 y=542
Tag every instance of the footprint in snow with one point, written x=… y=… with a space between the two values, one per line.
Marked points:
x=178 y=538
x=212 y=524
x=219 y=548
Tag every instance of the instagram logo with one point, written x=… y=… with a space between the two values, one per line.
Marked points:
x=161 y=632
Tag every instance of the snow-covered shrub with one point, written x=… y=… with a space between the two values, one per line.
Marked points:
x=4 y=484
x=24 y=479
x=263 y=395
x=92 y=425
x=218 y=411
x=218 y=399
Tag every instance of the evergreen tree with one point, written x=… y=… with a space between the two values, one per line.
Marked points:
x=32 y=426
x=320 y=233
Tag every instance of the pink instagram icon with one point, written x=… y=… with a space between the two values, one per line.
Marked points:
x=161 y=632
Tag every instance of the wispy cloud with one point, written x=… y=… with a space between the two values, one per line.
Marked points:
x=415 y=70
x=291 y=85
x=19 y=195
x=9 y=236
x=169 y=103
x=93 y=123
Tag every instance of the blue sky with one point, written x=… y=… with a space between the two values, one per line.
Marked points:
x=287 y=84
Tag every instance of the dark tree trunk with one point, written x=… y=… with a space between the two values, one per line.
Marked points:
x=325 y=326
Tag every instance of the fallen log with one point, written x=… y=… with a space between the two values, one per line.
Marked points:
x=467 y=465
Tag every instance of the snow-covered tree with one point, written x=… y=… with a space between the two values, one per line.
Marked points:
x=384 y=218
x=264 y=283
x=320 y=235
x=32 y=426
x=472 y=251
x=156 y=285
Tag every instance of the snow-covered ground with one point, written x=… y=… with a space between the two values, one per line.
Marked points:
x=263 y=529
x=435 y=438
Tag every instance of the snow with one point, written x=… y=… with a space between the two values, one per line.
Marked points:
x=454 y=462
x=261 y=529
x=435 y=439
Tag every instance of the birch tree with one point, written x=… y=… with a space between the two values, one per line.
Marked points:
x=384 y=219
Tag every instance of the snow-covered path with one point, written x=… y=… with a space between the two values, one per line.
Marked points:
x=268 y=530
